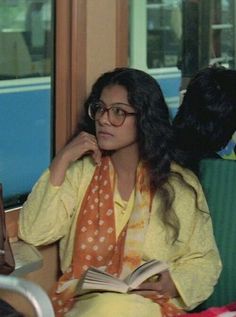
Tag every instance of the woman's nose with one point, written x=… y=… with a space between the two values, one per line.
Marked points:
x=104 y=118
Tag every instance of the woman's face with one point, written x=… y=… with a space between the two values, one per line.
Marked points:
x=112 y=137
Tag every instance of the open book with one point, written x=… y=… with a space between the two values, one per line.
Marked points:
x=96 y=279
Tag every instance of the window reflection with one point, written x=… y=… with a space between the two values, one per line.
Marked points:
x=172 y=25
x=26 y=120
x=222 y=32
x=164 y=28
x=25 y=38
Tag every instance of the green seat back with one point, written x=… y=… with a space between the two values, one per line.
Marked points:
x=218 y=179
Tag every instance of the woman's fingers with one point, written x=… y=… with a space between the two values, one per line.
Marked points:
x=151 y=286
x=164 y=285
x=91 y=146
x=83 y=144
x=97 y=156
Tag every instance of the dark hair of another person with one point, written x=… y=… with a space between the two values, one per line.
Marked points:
x=206 y=119
x=153 y=128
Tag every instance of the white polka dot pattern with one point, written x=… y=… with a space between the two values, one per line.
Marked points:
x=95 y=242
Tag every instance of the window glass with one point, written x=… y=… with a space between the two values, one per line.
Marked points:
x=173 y=39
x=164 y=28
x=26 y=45
x=222 y=32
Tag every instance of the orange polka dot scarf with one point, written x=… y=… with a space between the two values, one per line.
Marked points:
x=95 y=239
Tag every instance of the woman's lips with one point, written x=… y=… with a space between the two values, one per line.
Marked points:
x=104 y=134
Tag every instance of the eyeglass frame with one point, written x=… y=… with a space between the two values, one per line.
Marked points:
x=107 y=109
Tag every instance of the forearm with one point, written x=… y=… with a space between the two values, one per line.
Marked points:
x=195 y=278
x=58 y=169
x=43 y=218
x=81 y=145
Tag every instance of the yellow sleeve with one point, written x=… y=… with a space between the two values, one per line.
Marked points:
x=196 y=271
x=47 y=214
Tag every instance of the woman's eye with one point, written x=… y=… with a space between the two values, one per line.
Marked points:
x=118 y=111
x=100 y=109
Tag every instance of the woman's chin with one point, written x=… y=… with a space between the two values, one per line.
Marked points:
x=105 y=147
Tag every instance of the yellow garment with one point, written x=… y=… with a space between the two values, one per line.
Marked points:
x=95 y=242
x=50 y=214
x=115 y=305
x=123 y=210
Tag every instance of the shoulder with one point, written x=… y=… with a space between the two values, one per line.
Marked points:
x=187 y=188
x=184 y=176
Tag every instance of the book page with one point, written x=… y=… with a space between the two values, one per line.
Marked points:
x=96 y=279
x=145 y=271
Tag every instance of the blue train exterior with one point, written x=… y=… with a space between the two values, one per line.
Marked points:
x=26 y=132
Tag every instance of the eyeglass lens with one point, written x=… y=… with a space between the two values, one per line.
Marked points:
x=116 y=115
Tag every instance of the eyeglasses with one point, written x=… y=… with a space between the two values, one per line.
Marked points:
x=116 y=115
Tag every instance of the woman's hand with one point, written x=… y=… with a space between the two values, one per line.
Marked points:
x=81 y=145
x=163 y=286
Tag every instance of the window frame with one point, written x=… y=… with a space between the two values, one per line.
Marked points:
x=71 y=61
x=70 y=71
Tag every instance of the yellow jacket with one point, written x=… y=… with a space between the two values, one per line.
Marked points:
x=50 y=214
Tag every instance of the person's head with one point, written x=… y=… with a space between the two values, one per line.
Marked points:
x=147 y=123
x=146 y=120
x=115 y=119
x=206 y=119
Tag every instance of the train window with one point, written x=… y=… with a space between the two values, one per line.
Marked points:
x=222 y=33
x=208 y=35
x=155 y=34
x=175 y=33
x=26 y=138
x=155 y=39
x=173 y=39
x=164 y=28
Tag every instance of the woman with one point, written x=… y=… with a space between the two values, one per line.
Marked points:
x=114 y=199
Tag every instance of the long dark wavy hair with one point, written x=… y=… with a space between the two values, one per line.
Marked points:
x=153 y=128
x=206 y=119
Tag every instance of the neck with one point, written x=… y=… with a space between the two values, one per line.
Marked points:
x=125 y=164
x=125 y=161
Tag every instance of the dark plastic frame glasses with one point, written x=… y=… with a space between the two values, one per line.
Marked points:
x=116 y=115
